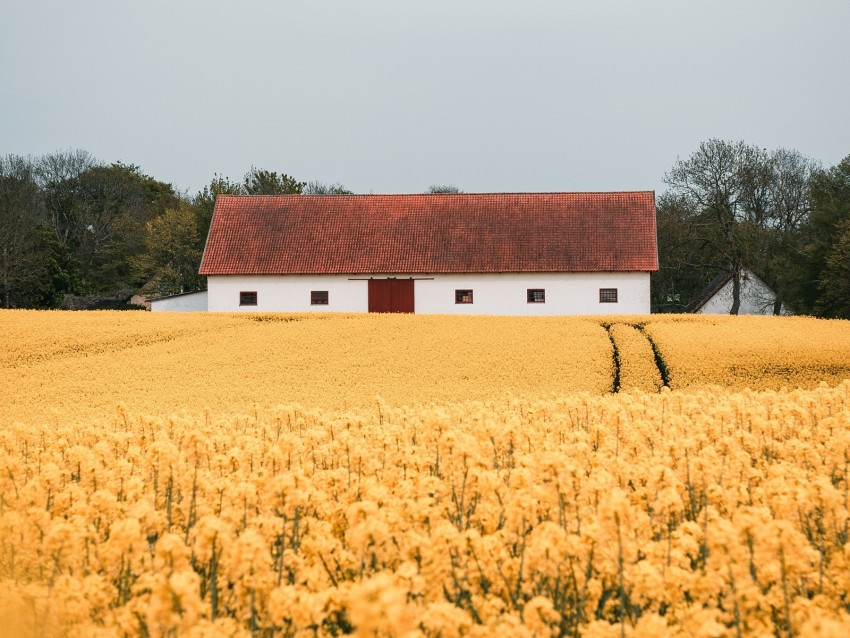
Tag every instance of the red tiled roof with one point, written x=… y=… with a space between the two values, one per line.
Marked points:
x=432 y=233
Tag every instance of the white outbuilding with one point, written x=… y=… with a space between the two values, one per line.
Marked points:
x=457 y=253
x=183 y=302
x=756 y=296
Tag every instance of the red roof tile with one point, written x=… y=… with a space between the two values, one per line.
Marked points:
x=432 y=233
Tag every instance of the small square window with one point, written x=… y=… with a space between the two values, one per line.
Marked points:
x=536 y=295
x=248 y=298
x=607 y=295
x=319 y=297
x=463 y=296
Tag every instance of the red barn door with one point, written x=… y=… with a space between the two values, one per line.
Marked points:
x=390 y=295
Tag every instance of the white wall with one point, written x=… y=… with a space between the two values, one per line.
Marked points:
x=289 y=293
x=190 y=302
x=503 y=294
x=757 y=298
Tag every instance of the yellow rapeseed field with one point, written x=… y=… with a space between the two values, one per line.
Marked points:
x=752 y=352
x=79 y=365
x=294 y=475
x=70 y=365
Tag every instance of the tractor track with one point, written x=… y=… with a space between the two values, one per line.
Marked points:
x=616 y=363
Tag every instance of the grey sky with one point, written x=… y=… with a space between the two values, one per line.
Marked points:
x=393 y=96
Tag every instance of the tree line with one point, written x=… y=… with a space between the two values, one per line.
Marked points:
x=75 y=228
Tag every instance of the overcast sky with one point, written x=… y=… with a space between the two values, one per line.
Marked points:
x=391 y=96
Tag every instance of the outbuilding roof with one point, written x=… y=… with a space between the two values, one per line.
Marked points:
x=432 y=233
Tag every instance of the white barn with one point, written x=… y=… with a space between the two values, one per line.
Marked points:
x=504 y=253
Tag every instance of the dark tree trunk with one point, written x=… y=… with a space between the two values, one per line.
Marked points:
x=736 y=289
x=7 y=301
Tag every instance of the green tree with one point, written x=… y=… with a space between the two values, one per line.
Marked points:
x=443 y=189
x=58 y=176
x=261 y=182
x=318 y=188
x=170 y=262
x=834 y=286
x=20 y=201
x=97 y=214
x=54 y=280
x=830 y=209
x=113 y=203
x=32 y=261
x=776 y=239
